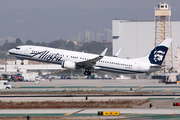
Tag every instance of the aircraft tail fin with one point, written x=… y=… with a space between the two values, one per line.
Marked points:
x=157 y=55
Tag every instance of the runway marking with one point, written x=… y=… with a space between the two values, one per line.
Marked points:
x=168 y=90
x=99 y=86
x=140 y=87
x=74 y=112
x=5 y=90
x=176 y=97
x=57 y=86
x=174 y=114
x=17 y=86
x=68 y=114
x=88 y=90
x=132 y=114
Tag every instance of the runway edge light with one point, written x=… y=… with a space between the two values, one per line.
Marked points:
x=108 y=113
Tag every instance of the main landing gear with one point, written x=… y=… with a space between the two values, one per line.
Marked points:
x=87 y=72
x=22 y=63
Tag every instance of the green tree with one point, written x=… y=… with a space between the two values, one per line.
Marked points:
x=18 y=41
x=69 y=45
x=92 y=47
x=57 y=44
x=38 y=43
x=29 y=42
x=96 y=47
x=8 y=46
x=44 y=44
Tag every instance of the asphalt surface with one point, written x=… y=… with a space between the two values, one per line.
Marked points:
x=103 y=85
x=94 y=84
x=26 y=99
x=149 y=113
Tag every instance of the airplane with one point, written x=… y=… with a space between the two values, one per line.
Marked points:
x=79 y=60
x=117 y=53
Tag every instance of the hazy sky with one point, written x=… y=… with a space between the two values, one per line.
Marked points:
x=48 y=20
x=91 y=4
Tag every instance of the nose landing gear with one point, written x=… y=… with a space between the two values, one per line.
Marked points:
x=87 y=72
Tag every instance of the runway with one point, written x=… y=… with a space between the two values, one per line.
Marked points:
x=29 y=99
x=94 y=84
x=164 y=97
x=124 y=113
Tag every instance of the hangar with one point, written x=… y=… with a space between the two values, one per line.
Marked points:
x=137 y=38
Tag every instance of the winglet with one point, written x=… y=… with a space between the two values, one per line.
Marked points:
x=117 y=53
x=103 y=53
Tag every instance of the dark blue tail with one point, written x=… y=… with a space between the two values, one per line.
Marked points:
x=157 y=55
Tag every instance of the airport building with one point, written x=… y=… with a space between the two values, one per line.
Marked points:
x=29 y=66
x=137 y=38
x=178 y=59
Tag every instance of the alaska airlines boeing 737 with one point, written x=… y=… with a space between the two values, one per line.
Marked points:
x=80 y=60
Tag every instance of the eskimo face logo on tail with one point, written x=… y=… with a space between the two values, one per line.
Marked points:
x=157 y=55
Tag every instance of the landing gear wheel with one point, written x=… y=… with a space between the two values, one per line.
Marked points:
x=87 y=72
x=22 y=63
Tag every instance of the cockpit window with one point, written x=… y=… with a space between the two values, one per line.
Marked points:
x=17 y=48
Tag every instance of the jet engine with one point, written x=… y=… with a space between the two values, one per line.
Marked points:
x=68 y=64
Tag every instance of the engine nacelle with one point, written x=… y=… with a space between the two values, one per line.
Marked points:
x=68 y=64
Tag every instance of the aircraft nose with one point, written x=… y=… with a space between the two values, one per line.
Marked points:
x=10 y=51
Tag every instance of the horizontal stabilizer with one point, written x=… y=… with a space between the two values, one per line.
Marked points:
x=158 y=66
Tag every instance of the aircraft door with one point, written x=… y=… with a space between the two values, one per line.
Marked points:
x=138 y=67
x=27 y=51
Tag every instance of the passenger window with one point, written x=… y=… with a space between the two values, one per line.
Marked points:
x=17 y=48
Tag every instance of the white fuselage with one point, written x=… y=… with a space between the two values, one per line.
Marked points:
x=107 y=63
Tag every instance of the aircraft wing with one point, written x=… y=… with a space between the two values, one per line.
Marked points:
x=90 y=63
